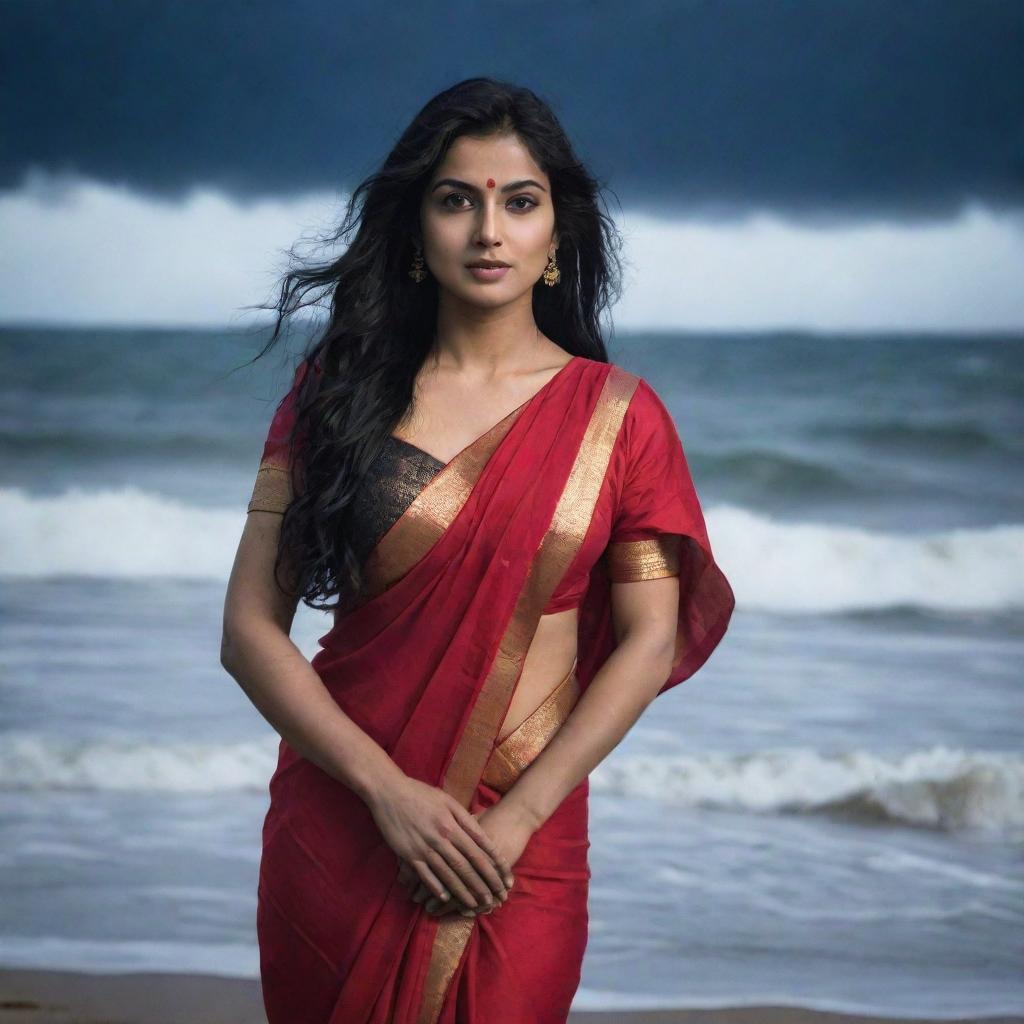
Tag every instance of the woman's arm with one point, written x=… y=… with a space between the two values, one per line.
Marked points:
x=424 y=825
x=258 y=653
x=644 y=615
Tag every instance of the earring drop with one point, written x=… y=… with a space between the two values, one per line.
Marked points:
x=552 y=275
x=417 y=273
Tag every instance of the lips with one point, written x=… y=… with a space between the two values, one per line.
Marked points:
x=488 y=273
x=486 y=264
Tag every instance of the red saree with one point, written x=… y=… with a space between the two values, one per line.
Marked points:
x=584 y=484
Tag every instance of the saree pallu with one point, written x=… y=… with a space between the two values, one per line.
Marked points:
x=582 y=486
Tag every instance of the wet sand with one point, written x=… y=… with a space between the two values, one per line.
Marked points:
x=64 y=997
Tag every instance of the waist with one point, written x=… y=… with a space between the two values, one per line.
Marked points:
x=513 y=753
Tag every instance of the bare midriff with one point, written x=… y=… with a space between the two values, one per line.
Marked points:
x=548 y=661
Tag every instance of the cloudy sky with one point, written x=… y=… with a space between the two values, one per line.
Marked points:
x=843 y=164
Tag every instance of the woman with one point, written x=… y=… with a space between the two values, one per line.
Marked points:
x=520 y=565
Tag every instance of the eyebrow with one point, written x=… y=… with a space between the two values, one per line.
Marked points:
x=510 y=187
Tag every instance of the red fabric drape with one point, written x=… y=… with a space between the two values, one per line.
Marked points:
x=657 y=497
x=427 y=667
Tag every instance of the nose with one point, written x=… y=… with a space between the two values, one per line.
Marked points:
x=487 y=231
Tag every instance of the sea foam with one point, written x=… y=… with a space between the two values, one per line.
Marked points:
x=773 y=566
x=939 y=787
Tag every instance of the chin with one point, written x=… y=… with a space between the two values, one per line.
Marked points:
x=490 y=301
x=491 y=294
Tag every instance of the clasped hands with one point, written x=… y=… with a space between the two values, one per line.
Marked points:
x=470 y=870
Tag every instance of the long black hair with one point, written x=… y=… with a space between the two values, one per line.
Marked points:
x=381 y=323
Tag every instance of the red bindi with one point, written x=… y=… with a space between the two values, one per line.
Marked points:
x=490 y=183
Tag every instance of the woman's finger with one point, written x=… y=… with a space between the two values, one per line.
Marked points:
x=482 y=863
x=465 y=868
x=472 y=825
x=450 y=879
x=439 y=909
x=430 y=881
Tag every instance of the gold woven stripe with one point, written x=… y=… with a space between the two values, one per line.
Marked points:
x=432 y=511
x=560 y=545
x=272 y=491
x=450 y=943
x=631 y=560
x=515 y=752
x=562 y=541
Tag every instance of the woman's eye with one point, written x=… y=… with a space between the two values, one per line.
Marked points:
x=461 y=195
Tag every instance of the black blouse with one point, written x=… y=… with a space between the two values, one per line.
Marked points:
x=390 y=486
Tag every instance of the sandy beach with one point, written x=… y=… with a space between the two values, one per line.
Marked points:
x=60 y=997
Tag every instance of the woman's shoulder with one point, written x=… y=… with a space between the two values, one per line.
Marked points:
x=643 y=398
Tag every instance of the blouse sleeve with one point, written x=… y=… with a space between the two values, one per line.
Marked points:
x=658 y=530
x=273 y=490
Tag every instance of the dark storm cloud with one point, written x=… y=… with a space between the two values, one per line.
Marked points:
x=822 y=109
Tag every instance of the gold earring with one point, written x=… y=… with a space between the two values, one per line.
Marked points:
x=552 y=275
x=417 y=273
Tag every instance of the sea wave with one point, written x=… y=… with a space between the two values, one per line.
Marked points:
x=802 y=568
x=941 y=788
x=38 y=762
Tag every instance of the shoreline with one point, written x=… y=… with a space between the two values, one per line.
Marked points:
x=46 y=996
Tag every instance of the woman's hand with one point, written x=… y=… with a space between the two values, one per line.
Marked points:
x=508 y=830
x=442 y=842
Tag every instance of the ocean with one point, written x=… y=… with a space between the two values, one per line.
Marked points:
x=829 y=814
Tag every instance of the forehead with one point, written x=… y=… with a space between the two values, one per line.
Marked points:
x=503 y=157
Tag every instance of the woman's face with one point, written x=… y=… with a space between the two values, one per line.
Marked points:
x=488 y=200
